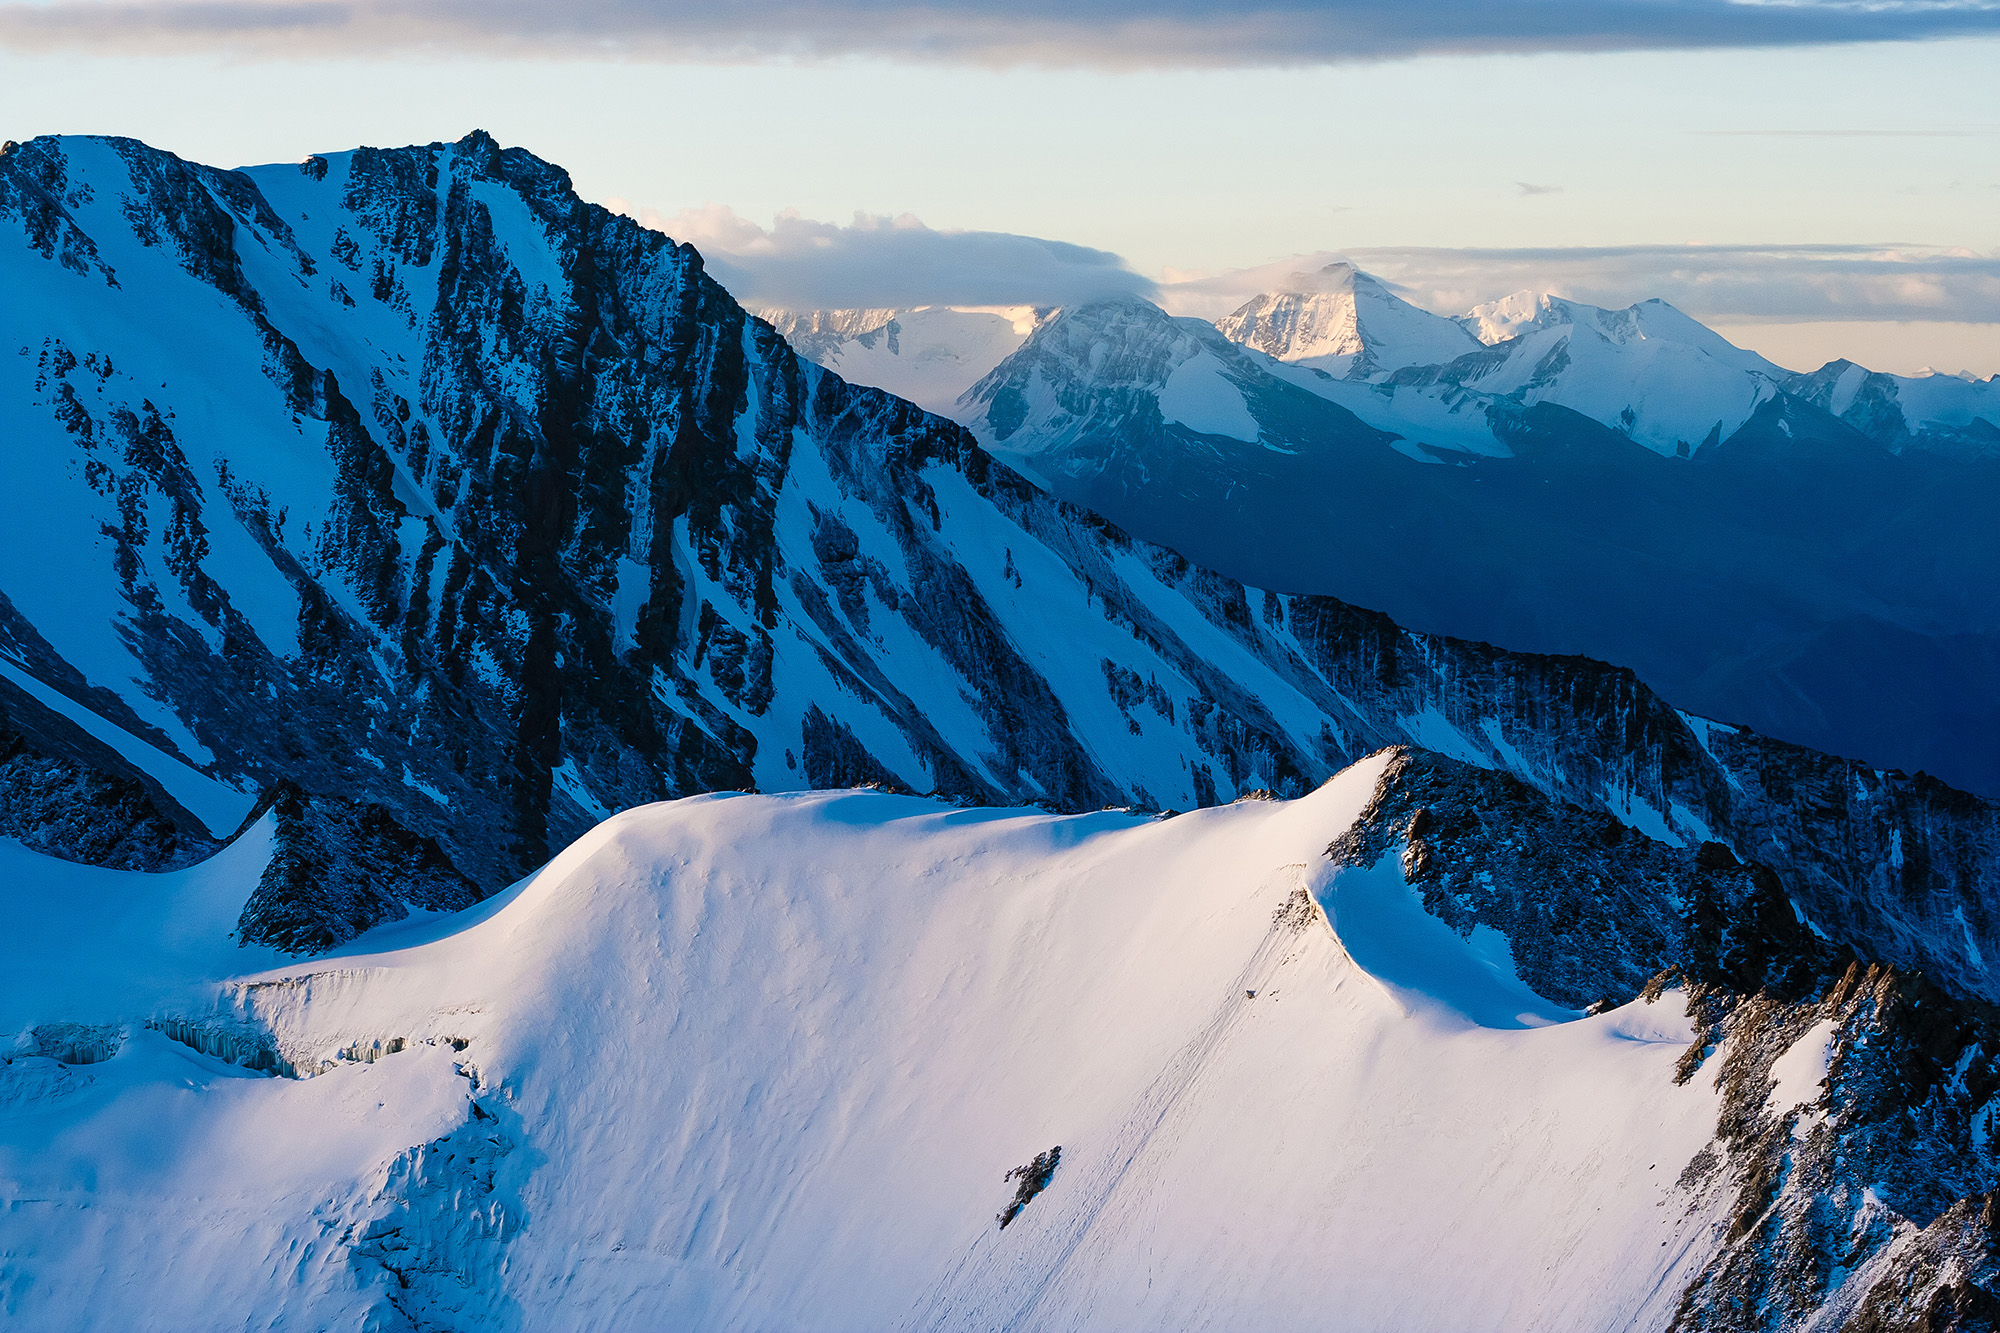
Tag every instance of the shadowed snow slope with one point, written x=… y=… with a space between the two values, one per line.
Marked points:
x=763 y=1062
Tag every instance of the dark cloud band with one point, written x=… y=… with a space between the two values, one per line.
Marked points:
x=1053 y=32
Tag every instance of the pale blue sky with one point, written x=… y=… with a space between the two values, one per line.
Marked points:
x=1204 y=170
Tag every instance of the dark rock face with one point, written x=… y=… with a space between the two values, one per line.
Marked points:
x=1594 y=911
x=59 y=806
x=1032 y=1178
x=338 y=868
x=1870 y=1205
x=1591 y=909
x=66 y=794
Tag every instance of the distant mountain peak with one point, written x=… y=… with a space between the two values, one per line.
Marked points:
x=1344 y=321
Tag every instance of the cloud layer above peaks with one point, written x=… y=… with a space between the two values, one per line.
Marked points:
x=802 y=264
x=1746 y=283
x=1109 y=33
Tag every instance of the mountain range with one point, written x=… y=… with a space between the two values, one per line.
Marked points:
x=1801 y=553
x=390 y=534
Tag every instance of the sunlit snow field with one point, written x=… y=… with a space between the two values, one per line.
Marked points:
x=763 y=1062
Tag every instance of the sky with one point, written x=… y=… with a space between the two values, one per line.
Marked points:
x=1815 y=179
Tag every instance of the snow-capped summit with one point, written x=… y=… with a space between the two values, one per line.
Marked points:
x=1953 y=414
x=1648 y=371
x=1508 y=317
x=814 y=333
x=1115 y=393
x=1649 y=320
x=1345 y=322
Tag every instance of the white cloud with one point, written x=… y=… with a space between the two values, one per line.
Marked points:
x=801 y=263
x=1736 y=283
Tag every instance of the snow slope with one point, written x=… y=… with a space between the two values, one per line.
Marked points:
x=90 y=945
x=763 y=1062
x=1663 y=379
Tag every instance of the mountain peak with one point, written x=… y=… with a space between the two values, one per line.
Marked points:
x=1508 y=317
x=1343 y=320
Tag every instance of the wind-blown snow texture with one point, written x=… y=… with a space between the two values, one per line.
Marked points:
x=1812 y=556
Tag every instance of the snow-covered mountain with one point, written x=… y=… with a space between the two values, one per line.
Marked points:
x=852 y=1060
x=379 y=524
x=406 y=476
x=1649 y=372
x=1346 y=322
x=477 y=513
x=1662 y=378
x=929 y=354
x=578 y=533
x=1948 y=413
x=1793 y=574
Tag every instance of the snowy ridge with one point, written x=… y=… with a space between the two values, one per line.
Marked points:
x=756 y=1062
x=820 y=1080
x=1662 y=379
